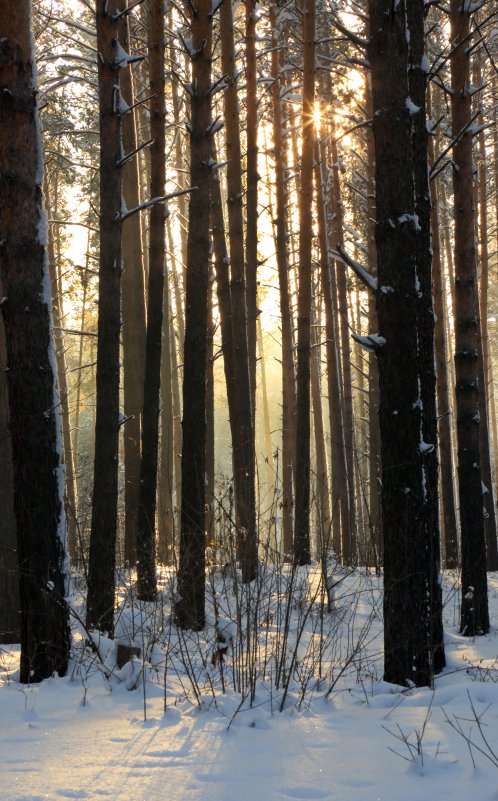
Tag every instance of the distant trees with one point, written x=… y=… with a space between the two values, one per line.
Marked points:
x=33 y=417
x=272 y=151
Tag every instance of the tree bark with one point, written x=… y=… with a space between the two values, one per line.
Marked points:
x=146 y=577
x=190 y=606
x=302 y=551
x=413 y=649
x=133 y=313
x=102 y=558
x=474 y=614
x=243 y=425
x=281 y=244
x=34 y=422
x=450 y=531
x=10 y=602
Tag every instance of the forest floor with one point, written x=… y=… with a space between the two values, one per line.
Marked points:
x=349 y=736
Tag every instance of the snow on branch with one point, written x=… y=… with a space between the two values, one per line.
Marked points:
x=358 y=269
x=188 y=46
x=353 y=37
x=124 y=59
x=134 y=152
x=467 y=128
x=126 y=11
x=371 y=342
x=147 y=204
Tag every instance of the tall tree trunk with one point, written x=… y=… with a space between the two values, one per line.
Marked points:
x=146 y=576
x=252 y=179
x=190 y=606
x=10 y=602
x=281 y=243
x=243 y=425
x=102 y=558
x=475 y=614
x=70 y=503
x=166 y=475
x=302 y=554
x=322 y=482
x=340 y=495
x=349 y=534
x=133 y=313
x=450 y=531
x=413 y=649
x=374 y=466
x=33 y=420
x=484 y=356
x=210 y=432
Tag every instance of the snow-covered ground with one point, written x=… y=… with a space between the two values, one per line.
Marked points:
x=86 y=736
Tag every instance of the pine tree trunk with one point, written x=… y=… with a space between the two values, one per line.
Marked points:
x=450 y=531
x=475 y=614
x=133 y=312
x=252 y=179
x=10 y=602
x=102 y=558
x=349 y=533
x=281 y=244
x=302 y=554
x=166 y=474
x=413 y=649
x=70 y=502
x=340 y=495
x=146 y=577
x=33 y=419
x=190 y=606
x=484 y=356
x=243 y=425
x=374 y=468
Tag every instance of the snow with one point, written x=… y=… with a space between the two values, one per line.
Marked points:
x=85 y=736
x=410 y=105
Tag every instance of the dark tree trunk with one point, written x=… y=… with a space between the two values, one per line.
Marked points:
x=302 y=552
x=252 y=178
x=349 y=533
x=102 y=558
x=281 y=243
x=243 y=424
x=443 y=389
x=34 y=424
x=70 y=505
x=190 y=606
x=10 y=602
x=374 y=467
x=340 y=496
x=475 y=614
x=412 y=604
x=146 y=576
x=133 y=313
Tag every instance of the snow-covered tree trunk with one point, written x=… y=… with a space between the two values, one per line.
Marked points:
x=31 y=367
